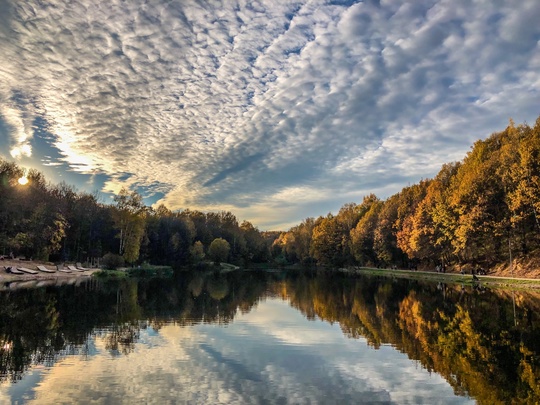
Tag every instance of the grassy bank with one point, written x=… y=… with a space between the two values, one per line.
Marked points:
x=451 y=278
x=146 y=271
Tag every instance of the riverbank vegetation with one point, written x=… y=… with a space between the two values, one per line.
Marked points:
x=480 y=213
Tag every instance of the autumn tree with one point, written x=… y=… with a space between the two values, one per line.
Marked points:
x=329 y=241
x=363 y=235
x=384 y=234
x=478 y=199
x=523 y=174
x=348 y=216
x=296 y=243
x=433 y=222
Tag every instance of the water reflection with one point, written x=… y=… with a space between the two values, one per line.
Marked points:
x=279 y=339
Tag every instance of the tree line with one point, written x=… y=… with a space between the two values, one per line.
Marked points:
x=57 y=223
x=479 y=211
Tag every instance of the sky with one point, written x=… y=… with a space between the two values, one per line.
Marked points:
x=273 y=110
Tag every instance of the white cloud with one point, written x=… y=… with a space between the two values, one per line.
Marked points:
x=234 y=105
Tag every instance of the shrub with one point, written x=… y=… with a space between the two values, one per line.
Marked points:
x=112 y=261
x=148 y=270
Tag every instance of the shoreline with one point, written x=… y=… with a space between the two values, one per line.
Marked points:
x=10 y=281
x=491 y=281
x=41 y=278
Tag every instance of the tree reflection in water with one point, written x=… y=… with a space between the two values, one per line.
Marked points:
x=484 y=343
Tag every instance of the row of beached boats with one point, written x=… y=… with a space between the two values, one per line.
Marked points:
x=72 y=278
x=44 y=269
x=46 y=282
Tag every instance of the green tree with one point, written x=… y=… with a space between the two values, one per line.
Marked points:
x=256 y=249
x=363 y=235
x=197 y=252
x=219 y=250
x=10 y=207
x=129 y=219
x=296 y=243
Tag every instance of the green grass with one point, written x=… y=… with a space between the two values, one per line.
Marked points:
x=110 y=274
x=145 y=271
x=149 y=270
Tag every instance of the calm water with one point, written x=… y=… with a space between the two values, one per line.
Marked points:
x=268 y=338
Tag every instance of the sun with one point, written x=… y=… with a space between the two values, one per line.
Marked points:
x=23 y=180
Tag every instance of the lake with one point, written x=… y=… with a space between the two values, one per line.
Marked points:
x=268 y=338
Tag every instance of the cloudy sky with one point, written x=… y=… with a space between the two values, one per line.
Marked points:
x=275 y=110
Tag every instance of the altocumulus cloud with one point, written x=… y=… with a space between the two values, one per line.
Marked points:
x=248 y=105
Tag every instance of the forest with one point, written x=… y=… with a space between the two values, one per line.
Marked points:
x=482 y=211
